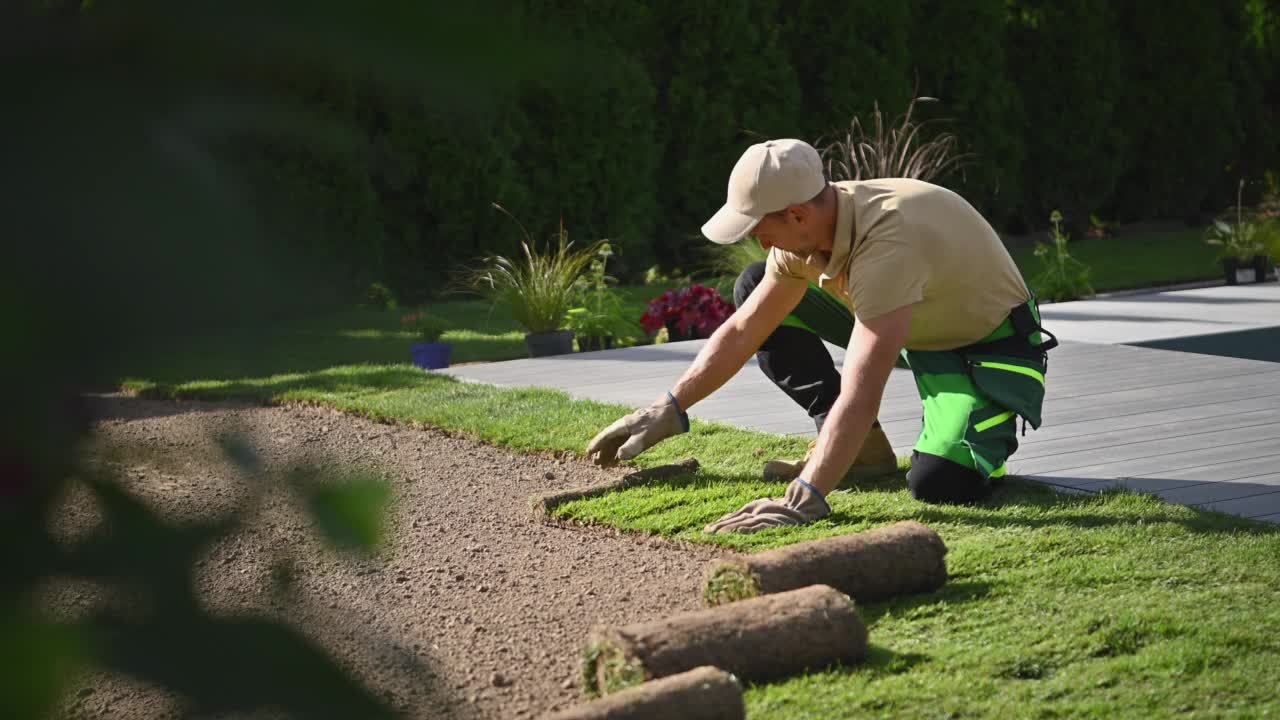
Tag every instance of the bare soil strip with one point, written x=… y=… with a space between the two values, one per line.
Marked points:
x=474 y=610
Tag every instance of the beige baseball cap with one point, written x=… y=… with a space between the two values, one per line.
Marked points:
x=769 y=177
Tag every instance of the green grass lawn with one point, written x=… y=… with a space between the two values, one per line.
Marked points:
x=1114 y=605
x=483 y=333
x=1136 y=261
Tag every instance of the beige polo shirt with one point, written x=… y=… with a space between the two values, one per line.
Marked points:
x=906 y=242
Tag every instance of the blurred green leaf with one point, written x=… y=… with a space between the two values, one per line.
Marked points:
x=351 y=514
x=38 y=661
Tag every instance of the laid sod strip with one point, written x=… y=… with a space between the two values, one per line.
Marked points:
x=544 y=504
x=705 y=693
x=762 y=639
x=878 y=564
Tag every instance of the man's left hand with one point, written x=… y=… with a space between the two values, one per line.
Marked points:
x=801 y=505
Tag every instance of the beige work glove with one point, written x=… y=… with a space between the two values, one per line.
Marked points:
x=638 y=432
x=802 y=504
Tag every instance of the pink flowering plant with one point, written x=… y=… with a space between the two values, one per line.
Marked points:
x=688 y=313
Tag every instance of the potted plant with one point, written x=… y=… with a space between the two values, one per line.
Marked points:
x=1244 y=244
x=689 y=313
x=597 y=321
x=537 y=288
x=1271 y=239
x=430 y=353
x=591 y=329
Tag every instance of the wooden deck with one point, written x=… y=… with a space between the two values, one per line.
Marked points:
x=1195 y=429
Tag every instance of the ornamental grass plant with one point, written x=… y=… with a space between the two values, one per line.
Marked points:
x=537 y=287
x=903 y=149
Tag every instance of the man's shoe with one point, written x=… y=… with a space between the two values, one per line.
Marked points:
x=875 y=459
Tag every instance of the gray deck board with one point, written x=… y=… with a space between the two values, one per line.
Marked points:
x=1264 y=436
x=1223 y=490
x=1140 y=437
x=1207 y=458
x=1227 y=471
x=1192 y=428
x=1253 y=506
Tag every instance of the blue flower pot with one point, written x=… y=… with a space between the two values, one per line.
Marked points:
x=431 y=356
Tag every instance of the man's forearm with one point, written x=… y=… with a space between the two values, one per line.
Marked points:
x=725 y=353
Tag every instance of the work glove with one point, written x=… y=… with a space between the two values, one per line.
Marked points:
x=802 y=504
x=638 y=432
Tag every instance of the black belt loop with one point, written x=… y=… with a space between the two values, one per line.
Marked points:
x=1024 y=326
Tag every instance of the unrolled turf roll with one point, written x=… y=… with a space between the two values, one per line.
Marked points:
x=544 y=504
x=768 y=637
x=704 y=693
x=903 y=558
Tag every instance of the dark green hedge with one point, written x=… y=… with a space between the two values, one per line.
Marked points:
x=1137 y=110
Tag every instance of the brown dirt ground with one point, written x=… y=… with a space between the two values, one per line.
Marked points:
x=473 y=610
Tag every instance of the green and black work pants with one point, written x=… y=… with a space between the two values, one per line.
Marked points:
x=972 y=396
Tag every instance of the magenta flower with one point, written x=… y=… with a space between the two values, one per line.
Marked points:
x=692 y=312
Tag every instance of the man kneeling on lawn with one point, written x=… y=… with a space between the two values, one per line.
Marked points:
x=931 y=286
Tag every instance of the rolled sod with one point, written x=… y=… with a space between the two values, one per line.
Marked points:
x=762 y=639
x=543 y=504
x=705 y=693
x=903 y=558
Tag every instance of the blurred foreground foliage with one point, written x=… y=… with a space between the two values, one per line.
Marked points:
x=132 y=216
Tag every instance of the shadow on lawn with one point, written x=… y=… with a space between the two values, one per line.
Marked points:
x=232 y=356
x=262 y=355
x=348 y=381
x=880 y=662
x=126 y=408
x=1025 y=503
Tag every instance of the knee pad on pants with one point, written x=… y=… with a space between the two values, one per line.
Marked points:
x=936 y=479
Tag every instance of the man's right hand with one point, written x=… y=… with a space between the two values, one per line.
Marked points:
x=638 y=432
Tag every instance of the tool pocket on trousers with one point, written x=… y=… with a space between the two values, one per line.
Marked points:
x=1015 y=384
x=991 y=437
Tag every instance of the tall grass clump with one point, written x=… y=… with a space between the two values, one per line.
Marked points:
x=899 y=150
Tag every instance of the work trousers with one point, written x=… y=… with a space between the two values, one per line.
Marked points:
x=971 y=397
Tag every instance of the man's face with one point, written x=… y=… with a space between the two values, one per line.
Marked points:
x=790 y=229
